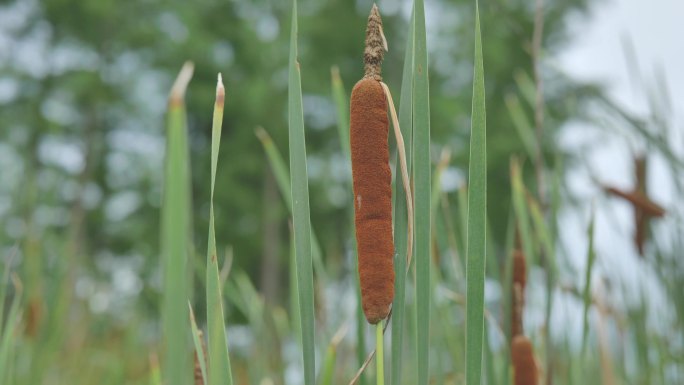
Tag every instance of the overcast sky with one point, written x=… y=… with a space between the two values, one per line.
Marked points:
x=598 y=54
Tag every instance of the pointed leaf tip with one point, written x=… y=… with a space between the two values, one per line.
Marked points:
x=220 y=90
x=181 y=83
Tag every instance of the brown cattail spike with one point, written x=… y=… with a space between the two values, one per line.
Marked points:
x=644 y=208
x=34 y=317
x=376 y=45
x=518 y=293
x=519 y=269
x=369 y=129
x=368 y=132
x=524 y=365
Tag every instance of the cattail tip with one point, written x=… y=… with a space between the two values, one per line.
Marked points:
x=376 y=45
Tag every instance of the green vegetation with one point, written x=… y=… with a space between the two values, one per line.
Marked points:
x=103 y=276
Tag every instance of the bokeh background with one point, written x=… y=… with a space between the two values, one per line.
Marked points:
x=83 y=93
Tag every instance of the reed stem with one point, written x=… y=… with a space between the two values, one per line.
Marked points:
x=380 y=357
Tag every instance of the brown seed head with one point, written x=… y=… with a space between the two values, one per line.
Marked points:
x=376 y=45
x=34 y=317
x=519 y=269
x=524 y=364
x=372 y=180
x=518 y=293
x=517 y=312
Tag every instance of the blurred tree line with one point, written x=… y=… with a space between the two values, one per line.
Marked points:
x=83 y=88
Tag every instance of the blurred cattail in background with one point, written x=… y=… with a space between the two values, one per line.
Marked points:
x=518 y=292
x=524 y=364
x=644 y=207
x=34 y=317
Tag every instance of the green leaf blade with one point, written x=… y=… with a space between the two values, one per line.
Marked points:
x=219 y=371
x=300 y=206
x=477 y=225
x=400 y=210
x=422 y=176
x=176 y=239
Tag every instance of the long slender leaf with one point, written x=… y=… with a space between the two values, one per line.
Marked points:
x=328 y=369
x=586 y=294
x=477 y=220
x=155 y=375
x=175 y=238
x=522 y=124
x=522 y=212
x=400 y=212
x=282 y=175
x=219 y=371
x=423 y=223
x=342 y=104
x=8 y=334
x=199 y=350
x=300 y=206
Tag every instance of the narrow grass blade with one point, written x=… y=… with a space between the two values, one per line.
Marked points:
x=543 y=234
x=522 y=125
x=8 y=333
x=422 y=171
x=219 y=361
x=155 y=375
x=175 y=223
x=400 y=211
x=586 y=294
x=328 y=370
x=342 y=103
x=294 y=292
x=477 y=220
x=4 y=282
x=282 y=175
x=526 y=87
x=521 y=212
x=506 y=295
x=199 y=349
x=275 y=160
x=300 y=206
x=488 y=355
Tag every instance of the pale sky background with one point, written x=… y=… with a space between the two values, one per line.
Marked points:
x=598 y=54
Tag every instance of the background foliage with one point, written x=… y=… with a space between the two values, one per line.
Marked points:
x=83 y=91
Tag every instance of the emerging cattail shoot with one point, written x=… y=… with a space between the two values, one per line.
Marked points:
x=524 y=364
x=369 y=129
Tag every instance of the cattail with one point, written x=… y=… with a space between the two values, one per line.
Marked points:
x=639 y=200
x=34 y=317
x=644 y=207
x=524 y=364
x=369 y=129
x=518 y=302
